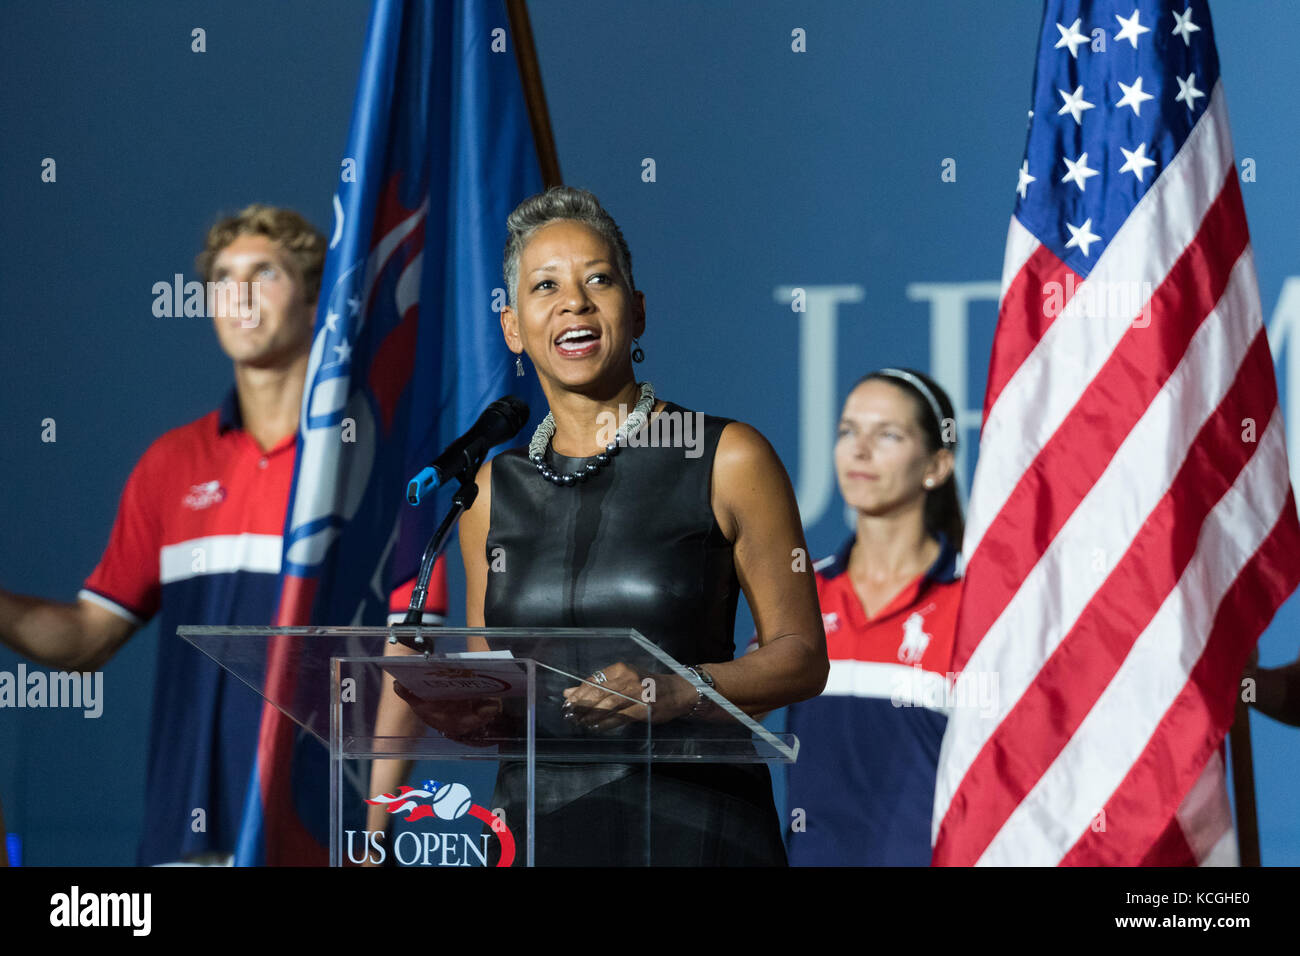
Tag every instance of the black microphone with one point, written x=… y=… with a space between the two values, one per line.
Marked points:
x=499 y=422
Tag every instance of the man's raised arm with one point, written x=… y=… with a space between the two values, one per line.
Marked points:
x=72 y=637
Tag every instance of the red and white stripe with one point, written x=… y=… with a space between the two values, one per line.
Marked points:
x=1126 y=544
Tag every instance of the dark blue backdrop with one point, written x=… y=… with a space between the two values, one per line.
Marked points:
x=773 y=169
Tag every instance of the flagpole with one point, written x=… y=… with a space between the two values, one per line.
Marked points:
x=1243 y=786
x=530 y=74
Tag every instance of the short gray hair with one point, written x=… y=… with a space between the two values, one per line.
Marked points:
x=556 y=204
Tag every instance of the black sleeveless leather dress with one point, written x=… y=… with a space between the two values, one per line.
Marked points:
x=634 y=546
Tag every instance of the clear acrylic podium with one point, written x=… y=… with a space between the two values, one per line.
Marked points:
x=459 y=758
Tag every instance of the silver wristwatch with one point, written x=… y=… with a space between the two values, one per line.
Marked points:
x=704 y=677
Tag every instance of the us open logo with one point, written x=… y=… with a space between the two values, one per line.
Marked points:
x=443 y=801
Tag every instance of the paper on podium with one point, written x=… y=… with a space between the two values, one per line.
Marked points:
x=490 y=674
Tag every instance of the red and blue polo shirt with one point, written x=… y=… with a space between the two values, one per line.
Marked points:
x=869 y=745
x=198 y=540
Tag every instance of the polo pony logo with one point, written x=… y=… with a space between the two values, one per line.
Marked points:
x=915 y=640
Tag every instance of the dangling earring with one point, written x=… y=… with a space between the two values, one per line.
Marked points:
x=519 y=366
x=637 y=354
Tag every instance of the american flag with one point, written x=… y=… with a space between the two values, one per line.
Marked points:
x=1132 y=528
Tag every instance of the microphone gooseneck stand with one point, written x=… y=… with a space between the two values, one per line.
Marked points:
x=464 y=498
x=499 y=422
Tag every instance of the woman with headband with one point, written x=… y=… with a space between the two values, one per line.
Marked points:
x=862 y=790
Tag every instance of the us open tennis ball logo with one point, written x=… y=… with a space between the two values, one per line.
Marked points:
x=444 y=801
x=451 y=801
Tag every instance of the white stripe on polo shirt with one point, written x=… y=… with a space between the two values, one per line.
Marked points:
x=99 y=599
x=220 y=554
x=901 y=684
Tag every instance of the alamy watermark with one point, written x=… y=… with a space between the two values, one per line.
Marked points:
x=976 y=690
x=1128 y=298
x=676 y=429
x=75 y=908
x=84 y=690
x=180 y=299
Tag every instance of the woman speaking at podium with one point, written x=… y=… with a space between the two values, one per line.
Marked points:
x=660 y=539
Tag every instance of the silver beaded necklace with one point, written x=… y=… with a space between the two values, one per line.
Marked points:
x=546 y=431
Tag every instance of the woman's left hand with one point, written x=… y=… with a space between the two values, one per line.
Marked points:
x=593 y=705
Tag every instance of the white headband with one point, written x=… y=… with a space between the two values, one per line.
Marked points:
x=921 y=387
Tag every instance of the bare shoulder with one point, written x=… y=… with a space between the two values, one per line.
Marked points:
x=747 y=476
x=478 y=514
x=476 y=519
x=741 y=448
x=484 y=482
x=473 y=532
